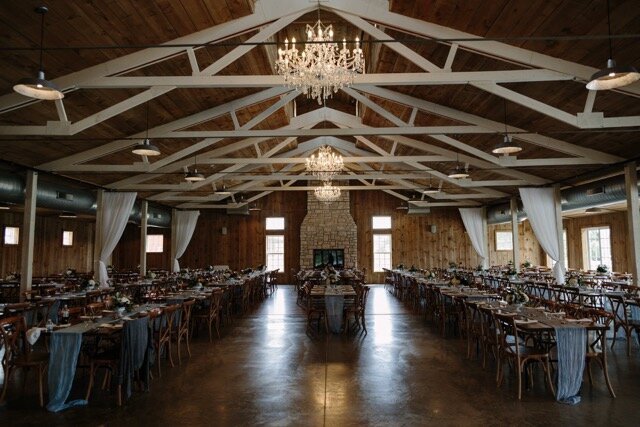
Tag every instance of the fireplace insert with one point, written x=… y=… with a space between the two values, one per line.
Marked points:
x=334 y=257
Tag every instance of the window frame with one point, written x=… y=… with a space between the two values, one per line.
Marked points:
x=64 y=242
x=506 y=232
x=148 y=246
x=274 y=227
x=17 y=235
x=267 y=253
x=586 y=256
x=385 y=217
x=374 y=253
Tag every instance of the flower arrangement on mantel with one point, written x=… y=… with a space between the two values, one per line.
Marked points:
x=602 y=269
x=516 y=295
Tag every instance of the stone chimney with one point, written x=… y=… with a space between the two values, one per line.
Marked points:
x=328 y=226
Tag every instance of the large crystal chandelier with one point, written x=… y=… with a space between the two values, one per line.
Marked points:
x=322 y=68
x=326 y=165
x=327 y=193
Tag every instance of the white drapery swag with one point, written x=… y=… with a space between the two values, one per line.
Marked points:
x=116 y=209
x=539 y=204
x=185 y=226
x=474 y=223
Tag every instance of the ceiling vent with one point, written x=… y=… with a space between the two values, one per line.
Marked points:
x=414 y=210
x=242 y=210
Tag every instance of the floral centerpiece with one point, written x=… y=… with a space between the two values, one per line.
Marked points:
x=413 y=269
x=574 y=281
x=70 y=272
x=330 y=275
x=195 y=283
x=150 y=275
x=602 y=269
x=89 y=284
x=400 y=267
x=247 y=271
x=526 y=264
x=13 y=276
x=122 y=301
x=516 y=295
x=430 y=274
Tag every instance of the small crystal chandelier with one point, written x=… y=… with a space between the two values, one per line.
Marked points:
x=326 y=165
x=322 y=68
x=327 y=193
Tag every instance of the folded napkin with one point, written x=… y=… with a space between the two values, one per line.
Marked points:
x=33 y=334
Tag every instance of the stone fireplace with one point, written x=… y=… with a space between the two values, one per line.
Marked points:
x=328 y=227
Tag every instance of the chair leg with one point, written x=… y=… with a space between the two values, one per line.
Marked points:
x=119 y=397
x=169 y=352
x=519 y=373
x=547 y=370
x=91 y=375
x=5 y=386
x=40 y=384
x=179 y=356
x=186 y=339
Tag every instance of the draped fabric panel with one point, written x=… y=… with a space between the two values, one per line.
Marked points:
x=185 y=226
x=539 y=204
x=474 y=223
x=116 y=209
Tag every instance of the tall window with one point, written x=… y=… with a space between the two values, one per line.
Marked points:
x=155 y=243
x=67 y=238
x=504 y=241
x=275 y=252
x=11 y=235
x=275 y=223
x=596 y=247
x=381 y=252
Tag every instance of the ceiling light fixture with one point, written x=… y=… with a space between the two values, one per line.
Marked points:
x=322 y=69
x=194 y=176
x=326 y=165
x=432 y=190
x=613 y=76
x=507 y=146
x=327 y=193
x=460 y=171
x=146 y=148
x=39 y=87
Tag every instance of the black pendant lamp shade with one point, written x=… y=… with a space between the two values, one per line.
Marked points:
x=146 y=148
x=194 y=176
x=614 y=76
x=507 y=146
x=39 y=87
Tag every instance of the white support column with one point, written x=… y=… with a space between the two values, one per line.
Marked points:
x=97 y=244
x=515 y=233
x=144 y=210
x=633 y=220
x=558 y=200
x=28 y=232
x=485 y=231
x=173 y=239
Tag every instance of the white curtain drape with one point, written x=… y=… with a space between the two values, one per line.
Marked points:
x=185 y=226
x=474 y=223
x=116 y=209
x=539 y=204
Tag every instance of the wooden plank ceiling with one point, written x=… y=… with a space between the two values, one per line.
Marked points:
x=89 y=43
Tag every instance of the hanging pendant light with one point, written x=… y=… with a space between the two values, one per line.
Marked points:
x=614 y=76
x=430 y=189
x=459 y=172
x=39 y=87
x=507 y=146
x=146 y=148
x=194 y=176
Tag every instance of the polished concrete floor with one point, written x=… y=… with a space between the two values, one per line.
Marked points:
x=266 y=370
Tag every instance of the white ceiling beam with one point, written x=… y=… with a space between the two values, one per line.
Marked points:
x=157 y=131
x=265 y=11
x=365 y=9
x=497 y=127
x=377 y=79
x=450 y=57
x=375 y=107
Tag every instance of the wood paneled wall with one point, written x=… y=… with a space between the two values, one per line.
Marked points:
x=617 y=222
x=244 y=243
x=412 y=240
x=242 y=246
x=49 y=257
x=530 y=249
